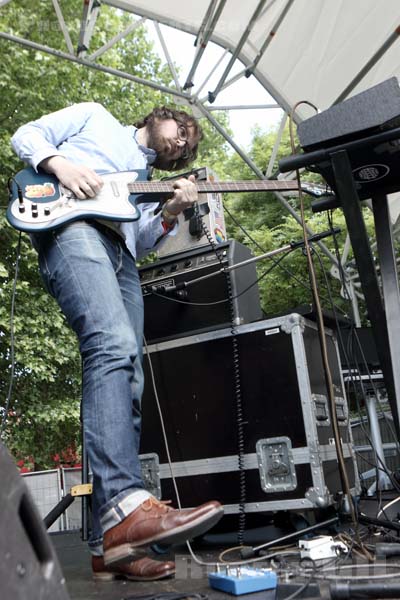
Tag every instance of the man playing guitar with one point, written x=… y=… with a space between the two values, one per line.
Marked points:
x=89 y=267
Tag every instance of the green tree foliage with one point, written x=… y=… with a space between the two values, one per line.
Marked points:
x=260 y=221
x=44 y=415
x=213 y=150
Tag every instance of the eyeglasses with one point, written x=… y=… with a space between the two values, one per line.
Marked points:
x=183 y=136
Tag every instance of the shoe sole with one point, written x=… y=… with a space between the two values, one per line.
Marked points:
x=127 y=552
x=105 y=577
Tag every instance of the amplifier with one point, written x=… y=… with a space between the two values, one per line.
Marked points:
x=179 y=297
x=190 y=233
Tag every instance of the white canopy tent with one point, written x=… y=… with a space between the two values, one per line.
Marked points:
x=318 y=50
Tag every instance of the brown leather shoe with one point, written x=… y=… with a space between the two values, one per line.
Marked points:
x=154 y=522
x=144 y=569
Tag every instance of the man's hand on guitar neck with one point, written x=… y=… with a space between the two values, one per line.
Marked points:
x=185 y=195
x=82 y=181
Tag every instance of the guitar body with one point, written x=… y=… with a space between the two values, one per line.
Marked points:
x=38 y=202
x=45 y=204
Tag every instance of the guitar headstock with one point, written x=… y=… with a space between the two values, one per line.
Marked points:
x=316 y=190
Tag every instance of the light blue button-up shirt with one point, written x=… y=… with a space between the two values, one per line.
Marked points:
x=89 y=135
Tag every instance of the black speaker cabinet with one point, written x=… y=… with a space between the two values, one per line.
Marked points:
x=203 y=302
x=29 y=569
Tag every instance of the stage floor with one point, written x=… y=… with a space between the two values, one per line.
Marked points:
x=191 y=579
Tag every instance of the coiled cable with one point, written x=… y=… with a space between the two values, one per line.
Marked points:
x=240 y=422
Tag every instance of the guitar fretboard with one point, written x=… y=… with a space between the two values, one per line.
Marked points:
x=203 y=187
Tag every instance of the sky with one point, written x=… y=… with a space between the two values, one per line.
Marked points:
x=245 y=91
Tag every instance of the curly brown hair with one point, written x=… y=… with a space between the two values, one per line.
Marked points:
x=183 y=118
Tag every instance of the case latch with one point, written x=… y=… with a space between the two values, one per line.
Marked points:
x=276 y=464
x=321 y=410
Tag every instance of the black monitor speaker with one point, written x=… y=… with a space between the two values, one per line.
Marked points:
x=29 y=568
x=374 y=165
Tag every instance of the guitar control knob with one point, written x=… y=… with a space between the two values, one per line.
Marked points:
x=21 y=208
x=35 y=212
x=47 y=211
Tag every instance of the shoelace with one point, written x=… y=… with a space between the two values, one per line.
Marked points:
x=153 y=502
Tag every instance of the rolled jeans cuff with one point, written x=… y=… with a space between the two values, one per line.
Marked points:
x=96 y=547
x=121 y=506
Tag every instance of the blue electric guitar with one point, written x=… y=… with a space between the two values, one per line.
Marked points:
x=38 y=201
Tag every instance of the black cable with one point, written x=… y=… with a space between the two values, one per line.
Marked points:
x=19 y=189
x=300 y=590
x=354 y=332
x=338 y=258
x=377 y=458
x=365 y=364
x=324 y=354
x=216 y=302
x=285 y=269
x=305 y=585
x=12 y=339
x=250 y=237
x=338 y=328
x=348 y=363
x=237 y=385
x=393 y=434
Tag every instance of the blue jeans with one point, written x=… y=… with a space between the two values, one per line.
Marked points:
x=95 y=281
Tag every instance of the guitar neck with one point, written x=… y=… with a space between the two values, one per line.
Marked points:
x=204 y=187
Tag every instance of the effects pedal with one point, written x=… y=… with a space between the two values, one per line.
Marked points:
x=243 y=580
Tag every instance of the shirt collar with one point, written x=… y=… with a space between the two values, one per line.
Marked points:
x=149 y=153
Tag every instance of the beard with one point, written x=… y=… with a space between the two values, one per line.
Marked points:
x=157 y=142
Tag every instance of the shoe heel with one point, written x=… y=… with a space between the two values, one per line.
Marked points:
x=122 y=554
x=103 y=576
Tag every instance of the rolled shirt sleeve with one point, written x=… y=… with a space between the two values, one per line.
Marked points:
x=41 y=139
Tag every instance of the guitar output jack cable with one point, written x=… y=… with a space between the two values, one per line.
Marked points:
x=237 y=383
